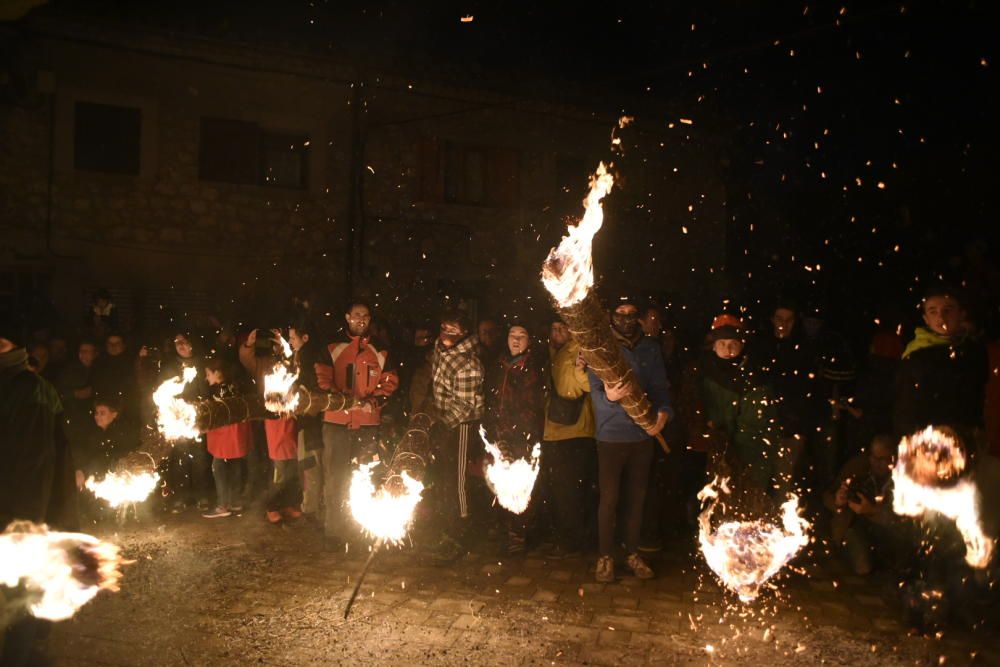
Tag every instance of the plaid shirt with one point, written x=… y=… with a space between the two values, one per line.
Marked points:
x=457 y=377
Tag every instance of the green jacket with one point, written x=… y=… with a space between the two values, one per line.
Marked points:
x=745 y=414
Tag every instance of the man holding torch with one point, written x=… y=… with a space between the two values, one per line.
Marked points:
x=623 y=447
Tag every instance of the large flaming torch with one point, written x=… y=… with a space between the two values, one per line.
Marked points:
x=568 y=275
x=178 y=418
x=930 y=476
x=60 y=572
x=511 y=480
x=745 y=554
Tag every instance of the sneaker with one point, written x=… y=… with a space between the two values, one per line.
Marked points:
x=291 y=513
x=274 y=517
x=237 y=509
x=605 y=569
x=639 y=567
x=217 y=513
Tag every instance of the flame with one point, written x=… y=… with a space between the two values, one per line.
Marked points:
x=175 y=417
x=279 y=389
x=511 y=481
x=387 y=513
x=568 y=273
x=928 y=477
x=60 y=571
x=120 y=488
x=745 y=554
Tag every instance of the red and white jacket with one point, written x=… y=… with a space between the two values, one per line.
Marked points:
x=359 y=367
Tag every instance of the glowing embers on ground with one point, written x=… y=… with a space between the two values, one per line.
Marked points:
x=175 y=417
x=930 y=476
x=746 y=554
x=568 y=273
x=60 y=572
x=385 y=513
x=125 y=487
x=511 y=481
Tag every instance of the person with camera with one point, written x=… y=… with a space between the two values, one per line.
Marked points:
x=860 y=501
x=358 y=365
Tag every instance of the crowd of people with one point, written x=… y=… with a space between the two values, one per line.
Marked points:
x=789 y=408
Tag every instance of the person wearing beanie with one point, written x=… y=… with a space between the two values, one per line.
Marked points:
x=739 y=413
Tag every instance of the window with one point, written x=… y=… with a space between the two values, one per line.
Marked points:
x=236 y=151
x=472 y=175
x=106 y=138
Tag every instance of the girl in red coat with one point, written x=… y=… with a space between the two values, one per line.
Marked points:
x=285 y=494
x=228 y=445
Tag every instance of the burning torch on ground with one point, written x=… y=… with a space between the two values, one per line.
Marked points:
x=57 y=572
x=746 y=554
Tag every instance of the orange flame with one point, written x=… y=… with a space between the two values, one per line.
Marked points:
x=382 y=513
x=175 y=417
x=568 y=273
x=511 y=481
x=61 y=571
x=746 y=554
x=122 y=488
x=929 y=477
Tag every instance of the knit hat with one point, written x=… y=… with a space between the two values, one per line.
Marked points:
x=726 y=327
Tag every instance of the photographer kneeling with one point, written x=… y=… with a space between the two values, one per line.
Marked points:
x=861 y=502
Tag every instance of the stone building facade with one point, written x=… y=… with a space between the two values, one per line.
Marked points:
x=188 y=174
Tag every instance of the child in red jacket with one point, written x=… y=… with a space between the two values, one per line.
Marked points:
x=228 y=445
x=284 y=497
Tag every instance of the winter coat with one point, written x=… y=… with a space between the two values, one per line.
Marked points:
x=30 y=416
x=741 y=412
x=942 y=382
x=613 y=423
x=358 y=366
x=457 y=382
x=282 y=439
x=105 y=447
x=515 y=401
x=570 y=383
x=789 y=367
x=234 y=440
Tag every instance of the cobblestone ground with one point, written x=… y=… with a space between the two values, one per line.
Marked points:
x=238 y=591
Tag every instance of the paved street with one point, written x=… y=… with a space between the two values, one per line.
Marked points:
x=238 y=591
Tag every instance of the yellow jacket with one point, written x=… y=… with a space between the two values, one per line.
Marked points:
x=569 y=382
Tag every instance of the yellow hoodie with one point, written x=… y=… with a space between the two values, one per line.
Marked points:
x=569 y=382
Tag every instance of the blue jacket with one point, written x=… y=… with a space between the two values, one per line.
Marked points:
x=613 y=424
